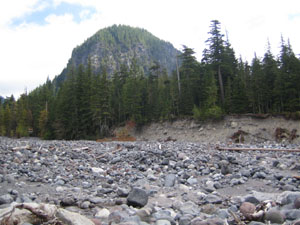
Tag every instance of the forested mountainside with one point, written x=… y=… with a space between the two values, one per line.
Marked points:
x=119 y=44
x=90 y=102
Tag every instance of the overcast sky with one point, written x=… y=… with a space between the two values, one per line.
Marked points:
x=37 y=36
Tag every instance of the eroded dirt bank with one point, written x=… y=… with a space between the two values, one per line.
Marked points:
x=256 y=130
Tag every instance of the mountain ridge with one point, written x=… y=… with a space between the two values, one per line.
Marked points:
x=120 y=44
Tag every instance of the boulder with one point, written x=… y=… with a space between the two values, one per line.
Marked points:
x=6 y=199
x=274 y=216
x=72 y=218
x=247 y=209
x=137 y=198
x=189 y=208
x=170 y=180
x=297 y=203
x=102 y=213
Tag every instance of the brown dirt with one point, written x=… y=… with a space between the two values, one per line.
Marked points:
x=255 y=130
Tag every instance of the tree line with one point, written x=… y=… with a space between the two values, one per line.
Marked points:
x=87 y=104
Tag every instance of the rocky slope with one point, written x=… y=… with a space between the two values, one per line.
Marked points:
x=120 y=44
x=153 y=182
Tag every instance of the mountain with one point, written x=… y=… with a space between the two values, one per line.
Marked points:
x=120 y=44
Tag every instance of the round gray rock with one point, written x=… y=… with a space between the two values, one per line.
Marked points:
x=274 y=216
x=6 y=199
x=297 y=203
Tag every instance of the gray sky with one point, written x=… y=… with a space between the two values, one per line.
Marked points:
x=37 y=36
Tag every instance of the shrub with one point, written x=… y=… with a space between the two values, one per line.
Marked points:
x=212 y=113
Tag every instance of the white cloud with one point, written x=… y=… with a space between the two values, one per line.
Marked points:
x=14 y=8
x=29 y=53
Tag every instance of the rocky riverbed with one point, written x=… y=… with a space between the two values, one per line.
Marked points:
x=152 y=182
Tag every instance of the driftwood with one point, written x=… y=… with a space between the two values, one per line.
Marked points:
x=40 y=214
x=236 y=218
x=118 y=149
x=27 y=147
x=257 y=149
x=81 y=149
x=297 y=177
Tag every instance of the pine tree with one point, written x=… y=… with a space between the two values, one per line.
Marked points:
x=164 y=96
x=66 y=120
x=116 y=103
x=271 y=72
x=7 y=118
x=131 y=94
x=23 y=119
x=152 y=112
x=240 y=103
x=228 y=97
x=83 y=102
x=209 y=110
x=189 y=79
x=2 y=126
x=289 y=68
x=43 y=120
x=214 y=54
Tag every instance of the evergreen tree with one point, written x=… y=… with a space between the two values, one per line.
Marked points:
x=214 y=54
x=209 y=110
x=164 y=96
x=289 y=68
x=116 y=103
x=7 y=120
x=258 y=86
x=228 y=97
x=271 y=72
x=86 y=105
x=189 y=79
x=131 y=95
x=239 y=101
x=43 y=121
x=2 y=126
x=152 y=112
x=23 y=118
x=66 y=122
x=100 y=104
x=83 y=102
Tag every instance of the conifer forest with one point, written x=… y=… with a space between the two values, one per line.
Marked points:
x=88 y=103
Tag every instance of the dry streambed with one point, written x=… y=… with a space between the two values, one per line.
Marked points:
x=147 y=183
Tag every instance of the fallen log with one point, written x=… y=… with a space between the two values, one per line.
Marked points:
x=27 y=147
x=81 y=149
x=257 y=149
x=118 y=149
x=296 y=177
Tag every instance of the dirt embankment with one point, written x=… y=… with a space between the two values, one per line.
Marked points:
x=245 y=129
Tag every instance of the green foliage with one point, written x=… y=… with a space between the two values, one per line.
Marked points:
x=189 y=81
x=212 y=113
x=197 y=114
x=118 y=45
x=89 y=100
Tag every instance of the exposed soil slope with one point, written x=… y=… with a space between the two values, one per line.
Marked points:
x=254 y=130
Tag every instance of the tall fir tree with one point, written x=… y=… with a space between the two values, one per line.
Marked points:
x=289 y=69
x=189 y=79
x=214 y=54
x=271 y=72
